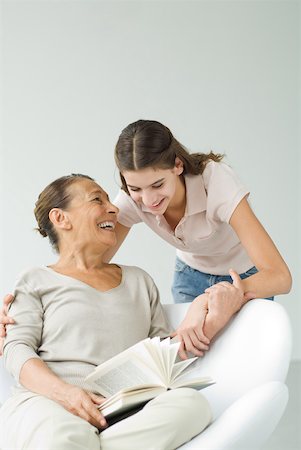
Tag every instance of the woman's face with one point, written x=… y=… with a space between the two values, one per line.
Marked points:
x=156 y=189
x=91 y=214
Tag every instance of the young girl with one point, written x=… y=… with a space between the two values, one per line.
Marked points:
x=197 y=204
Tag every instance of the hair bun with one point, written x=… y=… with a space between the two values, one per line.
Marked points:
x=42 y=232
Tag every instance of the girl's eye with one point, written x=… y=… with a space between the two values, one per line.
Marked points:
x=158 y=185
x=134 y=189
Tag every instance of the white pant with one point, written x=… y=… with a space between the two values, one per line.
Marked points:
x=33 y=422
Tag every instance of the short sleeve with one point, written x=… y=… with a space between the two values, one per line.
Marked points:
x=24 y=337
x=224 y=191
x=128 y=211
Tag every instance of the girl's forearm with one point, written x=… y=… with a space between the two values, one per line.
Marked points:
x=267 y=283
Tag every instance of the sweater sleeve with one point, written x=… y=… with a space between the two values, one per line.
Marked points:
x=24 y=337
x=159 y=324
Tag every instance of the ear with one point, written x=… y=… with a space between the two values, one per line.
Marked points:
x=179 y=166
x=59 y=219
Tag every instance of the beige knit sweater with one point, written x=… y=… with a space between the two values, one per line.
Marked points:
x=73 y=327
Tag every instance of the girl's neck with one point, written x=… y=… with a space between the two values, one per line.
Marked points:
x=178 y=202
x=177 y=206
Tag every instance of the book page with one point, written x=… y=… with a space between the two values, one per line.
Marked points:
x=127 y=374
x=123 y=403
x=155 y=350
x=199 y=383
x=180 y=367
x=170 y=351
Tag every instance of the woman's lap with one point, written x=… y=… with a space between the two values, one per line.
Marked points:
x=188 y=283
x=33 y=422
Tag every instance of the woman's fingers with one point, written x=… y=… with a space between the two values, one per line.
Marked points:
x=181 y=352
x=92 y=413
x=191 y=344
x=4 y=318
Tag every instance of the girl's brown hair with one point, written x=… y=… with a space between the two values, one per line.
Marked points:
x=148 y=143
x=55 y=195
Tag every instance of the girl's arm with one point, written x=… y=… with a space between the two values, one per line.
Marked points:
x=36 y=376
x=273 y=275
x=121 y=233
x=5 y=319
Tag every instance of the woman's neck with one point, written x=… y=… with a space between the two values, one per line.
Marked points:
x=80 y=260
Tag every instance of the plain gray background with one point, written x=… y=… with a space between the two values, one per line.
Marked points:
x=223 y=75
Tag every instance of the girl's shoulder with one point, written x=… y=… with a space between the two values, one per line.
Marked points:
x=219 y=173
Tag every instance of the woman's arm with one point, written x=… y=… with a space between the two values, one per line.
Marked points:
x=121 y=233
x=22 y=360
x=273 y=275
x=36 y=376
x=208 y=314
x=191 y=331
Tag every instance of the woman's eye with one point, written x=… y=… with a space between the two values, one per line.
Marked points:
x=97 y=199
x=158 y=185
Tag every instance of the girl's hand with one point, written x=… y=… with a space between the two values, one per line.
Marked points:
x=5 y=319
x=190 y=332
x=82 y=403
x=224 y=300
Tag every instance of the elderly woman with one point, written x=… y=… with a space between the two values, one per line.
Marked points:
x=72 y=316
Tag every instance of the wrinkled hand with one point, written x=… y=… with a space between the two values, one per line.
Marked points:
x=190 y=331
x=224 y=300
x=83 y=404
x=5 y=319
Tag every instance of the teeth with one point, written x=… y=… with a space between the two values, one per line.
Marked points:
x=110 y=225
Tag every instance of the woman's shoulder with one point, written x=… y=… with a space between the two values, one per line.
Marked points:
x=136 y=272
x=31 y=275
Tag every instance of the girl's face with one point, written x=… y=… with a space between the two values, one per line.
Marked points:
x=156 y=189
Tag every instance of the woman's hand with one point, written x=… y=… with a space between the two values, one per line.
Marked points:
x=190 y=331
x=224 y=300
x=81 y=403
x=5 y=319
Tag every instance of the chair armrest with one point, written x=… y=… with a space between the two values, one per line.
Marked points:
x=247 y=423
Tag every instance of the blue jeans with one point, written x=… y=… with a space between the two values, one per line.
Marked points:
x=188 y=283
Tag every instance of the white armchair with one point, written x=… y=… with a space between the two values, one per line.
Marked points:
x=249 y=362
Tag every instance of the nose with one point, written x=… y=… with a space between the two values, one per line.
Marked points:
x=148 y=198
x=112 y=209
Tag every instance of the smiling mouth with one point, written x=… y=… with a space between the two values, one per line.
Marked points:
x=106 y=225
x=157 y=205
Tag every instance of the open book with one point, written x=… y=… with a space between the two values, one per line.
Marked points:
x=140 y=373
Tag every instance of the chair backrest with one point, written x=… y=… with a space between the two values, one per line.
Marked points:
x=254 y=348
